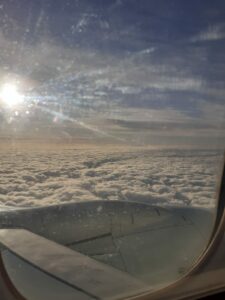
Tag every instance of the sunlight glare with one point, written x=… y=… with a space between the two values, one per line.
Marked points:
x=10 y=96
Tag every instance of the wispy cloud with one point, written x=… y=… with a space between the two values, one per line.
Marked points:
x=126 y=64
x=212 y=33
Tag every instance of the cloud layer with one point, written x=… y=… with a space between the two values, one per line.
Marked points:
x=161 y=177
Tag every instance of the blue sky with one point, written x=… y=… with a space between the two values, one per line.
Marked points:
x=119 y=69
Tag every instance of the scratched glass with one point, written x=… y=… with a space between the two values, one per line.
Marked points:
x=112 y=123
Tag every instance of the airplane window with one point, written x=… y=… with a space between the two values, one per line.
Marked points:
x=112 y=138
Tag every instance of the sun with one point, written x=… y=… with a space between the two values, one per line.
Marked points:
x=10 y=95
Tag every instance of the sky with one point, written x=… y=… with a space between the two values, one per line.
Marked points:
x=125 y=71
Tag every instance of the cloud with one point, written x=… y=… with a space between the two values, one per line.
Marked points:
x=135 y=65
x=159 y=177
x=213 y=33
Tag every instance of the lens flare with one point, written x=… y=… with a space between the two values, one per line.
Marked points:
x=10 y=95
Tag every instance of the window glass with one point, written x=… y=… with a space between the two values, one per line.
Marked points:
x=112 y=122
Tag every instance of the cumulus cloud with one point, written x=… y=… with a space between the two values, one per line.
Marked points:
x=159 y=177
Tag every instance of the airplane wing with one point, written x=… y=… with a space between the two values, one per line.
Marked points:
x=86 y=275
x=101 y=250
